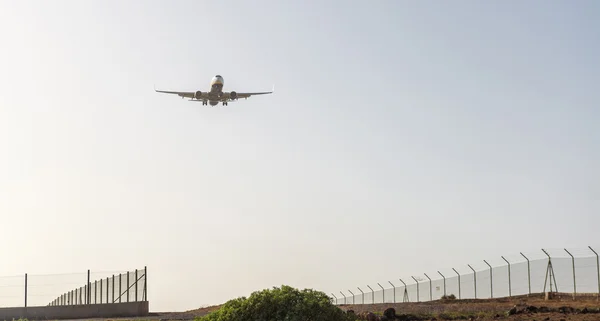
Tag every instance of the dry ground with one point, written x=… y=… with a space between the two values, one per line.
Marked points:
x=494 y=309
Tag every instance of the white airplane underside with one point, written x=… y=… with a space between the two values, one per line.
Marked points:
x=216 y=94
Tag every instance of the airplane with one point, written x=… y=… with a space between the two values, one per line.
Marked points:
x=216 y=93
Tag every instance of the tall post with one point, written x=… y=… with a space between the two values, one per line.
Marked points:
x=598 y=269
x=440 y=273
x=418 y=295
x=121 y=290
x=25 y=289
x=491 y=280
x=458 y=282
x=430 y=288
x=127 y=290
x=336 y=299
x=107 y=286
x=362 y=296
x=474 y=280
x=352 y=296
x=550 y=273
x=509 y=286
x=101 y=291
x=382 y=292
x=528 y=273
x=88 y=293
x=574 y=283
x=393 y=287
x=95 y=291
x=136 y=285
x=405 y=297
x=146 y=284
x=344 y=297
x=372 y=294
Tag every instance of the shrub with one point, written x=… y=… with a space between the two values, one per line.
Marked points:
x=279 y=304
x=449 y=297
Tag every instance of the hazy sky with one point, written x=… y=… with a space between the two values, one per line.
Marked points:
x=402 y=136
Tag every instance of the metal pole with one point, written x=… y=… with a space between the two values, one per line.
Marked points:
x=95 y=291
x=394 y=287
x=336 y=299
x=509 y=286
x=528 y=273
x=88 y=292
x=372 y=295
x=352 y=296
x=382 y=292
x=418 y=298
x=136 y=285
x=127 y=290
x=405 y=289
x=362 y=296
x=107 y=286
x=574 y=283
x=551 y=270
x=344 y=297
x=146 y=284
x=120 y=290
x=458 y=282
x=444 y=282
x=25 y=289
x=598 y=269
x=101 y=291
x=491 y=281
x=430 y=288
x=474 y=280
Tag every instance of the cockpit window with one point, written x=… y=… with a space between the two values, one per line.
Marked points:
x=218 y=76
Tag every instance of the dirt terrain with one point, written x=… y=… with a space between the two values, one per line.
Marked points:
x=533 y=308
x=524 y=308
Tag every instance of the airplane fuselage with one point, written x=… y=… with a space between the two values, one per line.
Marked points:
x=216 y=90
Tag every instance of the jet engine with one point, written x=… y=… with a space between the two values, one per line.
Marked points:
x=198 y=94
x=233 y=95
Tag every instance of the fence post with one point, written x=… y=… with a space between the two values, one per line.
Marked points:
x=344 y=297
x=336 y=299
x=100 y=291
x=444 y=282
x=25 y=289
x=372 y=295
x=382 y=292
x=88 y=293
x=113 y=289
x=394 y=287
x=352 y=296
x=574 y=283
x=107 y=286
x=136 y=285
x=458 y=282
x=598 y=269
x=528 y=273
x=418 y=295
x=362 y=296
x=127 y=290
x=491 y=280
x=405 y=290
x=474 y=280
x=430 y=288
x=121 y=290
x=509 y=286
x=146 y=284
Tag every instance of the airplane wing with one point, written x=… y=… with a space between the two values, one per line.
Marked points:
x=246 y=95
x=182 y=94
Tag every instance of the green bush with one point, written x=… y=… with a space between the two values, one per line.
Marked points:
x=279 y=304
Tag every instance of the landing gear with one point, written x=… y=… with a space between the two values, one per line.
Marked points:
x=224 y=103
x=204 y=103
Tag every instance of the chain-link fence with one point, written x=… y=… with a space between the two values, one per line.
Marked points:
x=574 y=271
x=93 y=287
